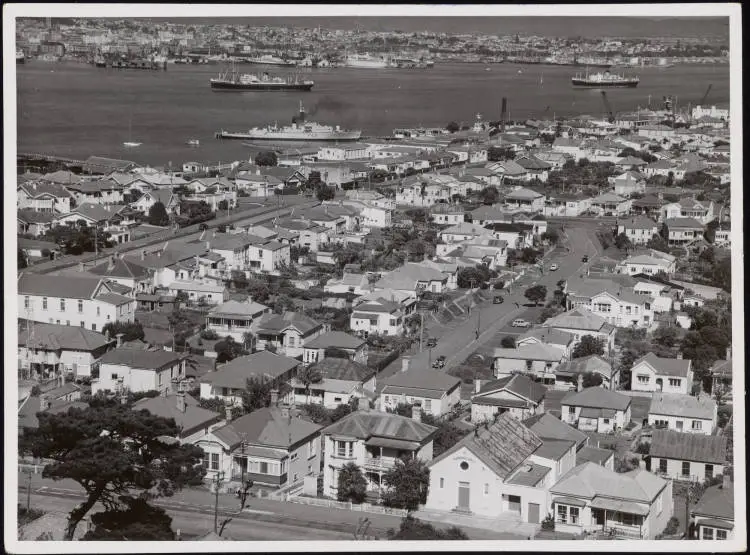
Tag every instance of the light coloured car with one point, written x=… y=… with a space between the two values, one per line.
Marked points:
x=553 y=267
x=520 y=323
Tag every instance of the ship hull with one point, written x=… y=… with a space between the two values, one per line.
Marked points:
x=313 y=137
x=601 y=85
x=229 y=86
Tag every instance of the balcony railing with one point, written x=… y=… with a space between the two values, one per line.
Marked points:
x=379 y=463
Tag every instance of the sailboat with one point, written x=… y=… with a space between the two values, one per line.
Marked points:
x=129 y=143
x=541 y=79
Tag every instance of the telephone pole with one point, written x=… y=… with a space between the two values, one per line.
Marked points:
x=421 y=329
x=219 y=478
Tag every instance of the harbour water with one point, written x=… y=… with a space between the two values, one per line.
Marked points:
x=77 y=110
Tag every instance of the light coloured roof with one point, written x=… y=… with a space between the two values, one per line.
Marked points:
x=547 y=335
x=666 y=366
x=597 y=397
x=639 y=222
x=338 y=339
x=594 y=455
x=590 y=480
x=688 y=223
x=365 y=424
x=145 y=360
x=547 y=426
x=236 y=308
x=534 y=351
x=277 y=323
x=591 y=363
x=516 y=384
x=422 y=379
x=191 y=420
x=578 y=319
x=687 y=406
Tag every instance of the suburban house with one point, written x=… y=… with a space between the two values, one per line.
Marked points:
x=713 y=516
x=639 y=230
x=46 y=350
x=125 y=272
x=567 y=373
x=703 y=211
x=593 y=499
x=539 y=359
x=135 y=370
x=350 y=282
x=619 y=306
x=540 y=335
x=169 y=200
x=374 y=441
x=36 y=250
x=518 y=395
x=270 y=446
x=565 y=204
x=692 y=457
x=43 y=196
x=683 y=413
x=378 y=316
x=413 y=278
x=104 y=191
x=347 y=370
x=436 y=393
x=535 y=168
x=682 y=231
x=609 y=204
x=648 y=206
x=649 y=264
x=193 y=421
x=71 y=300
x=230 y=380
x=200 y=292
x=524 y=199
x=34 y=223
x=721 y=378
x=495 y=472
x=234 y=318
x=668 y=375
x=580 y=322
x=288 y=333
x=316 y=349
x=628 y=183
x=596 y=409
x=447 y=214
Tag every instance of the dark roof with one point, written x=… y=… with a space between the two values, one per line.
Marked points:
x=547 y=426
x=257 y=365
x=55 y=336
x=502 y=445
x=717 y=502
x=276 y=323
x=595 y=455
x=554 y=449
x=101 y=165
x=267 y=427
x=597 y=397
x=669 y=444
x=418 y=380
x=147 y=360
x=364 y=424
x=517 y=384
x=33 y=217
x=38 y=188
x=69 y=287
x=666 y=366
x=120 y=268
x=344 y=369
x=190 y=421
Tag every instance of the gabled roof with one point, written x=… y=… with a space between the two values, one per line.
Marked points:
x=591 y=363
x=95 y=212
x=639 y=222
x=597 y=398
x=267 y=427
x=516 y=384
x=548 y=335
x=344 y=369
x=522 y=193
x=33 y=217
x=263 y=364
x=595 y=455
x=121 y=268
x=277 y=323
x=502 y=445
x=337 y=339
x=666 y=366
x=529 y=162
x=687 y=406
x=688 y=223
x=55 y=336
x=591 y=480
x=145 y=360
x=36 y=189
x=69 y=287
x=365 y=424
x=421 y=382
x=193 y=419
x=236 y=308
x=716 y=501
x=608 y=197
x=547 y=426
x=579 y=319
x=536 y=351
x=62 y=177
x=668 y=444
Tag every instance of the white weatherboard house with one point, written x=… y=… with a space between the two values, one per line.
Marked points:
x=683 y=413
x=713 y=515
x=139 y=370
x=593 y=499
x=538 y=359
x=517 y=395
x=496 y=472
x=692 y=457
x=436 y=393
x=596 y=409
x=374 y=441
x=235 y=319
x=668 y=375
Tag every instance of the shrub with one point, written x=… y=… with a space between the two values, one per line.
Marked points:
x=643 y=448
x=673 y=525
x=548 y=523
x=209 y=334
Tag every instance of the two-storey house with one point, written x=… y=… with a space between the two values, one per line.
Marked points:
x=436 y=393
x=667 y=375
x=596 y=409
x=137 y=370
x=288 y=333
x=638 y=230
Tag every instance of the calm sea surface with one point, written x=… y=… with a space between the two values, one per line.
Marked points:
x=78 y=110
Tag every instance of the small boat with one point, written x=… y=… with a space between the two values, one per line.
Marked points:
x=520 y=71
x=488 y=69
x=130 y=144
x=193 y=142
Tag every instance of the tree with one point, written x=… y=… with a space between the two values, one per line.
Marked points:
x=352 y=485
x=309 y=375
x=666 y=336
x=447 y=435
x=407 y=482
x=266 y=158
x=414 y=529
x=622 y=242
x=590 y=379
x=228 y=349
x=550 y=236
x=589 y=345
x=325 y=192
x=536 y=294
x=657 y=242
x=257 y=394
x=157 y=214
x=112 y=450
x=452 y=127
x=22 y=260
x=489 y=195
x=132 y=331
x=139 y=521
x=508 y=342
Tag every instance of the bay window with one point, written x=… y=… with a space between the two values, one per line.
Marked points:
x=562 y=514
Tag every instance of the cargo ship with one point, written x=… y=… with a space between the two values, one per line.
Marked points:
x=365 y=61
x=605 y=79
x=234 y=81
x=269 y=60
x=299 y=130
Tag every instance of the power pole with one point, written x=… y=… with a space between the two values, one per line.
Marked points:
x=219 y=478
x=421 y=329
x=28 y=492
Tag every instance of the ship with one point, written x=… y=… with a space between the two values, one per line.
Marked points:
x=20 y=58
x=269 y=60
x=299 y=130
x=605 y=79
x=234 y=81
x=365 y=61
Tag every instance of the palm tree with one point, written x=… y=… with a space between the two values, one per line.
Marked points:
x=309 y=375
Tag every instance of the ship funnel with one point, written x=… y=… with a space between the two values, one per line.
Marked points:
x=301 y=117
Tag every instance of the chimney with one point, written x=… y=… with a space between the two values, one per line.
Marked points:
x=208 y=245
x=228 y=413
x=274 y=397
x=679 y=356
x=181 y=402
x=43 y=402
x=477 y=385
x=405 y=364
x=580 y=383
x=416 y=413
x=106 y=336
x=119 y=339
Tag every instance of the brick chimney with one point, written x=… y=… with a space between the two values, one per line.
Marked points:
x=181 y=402
x=119 y=339
x=416 y=413
x=274 y=397
x=405 y=364
x=477 y=385
x=579 y=386
x=228 y=413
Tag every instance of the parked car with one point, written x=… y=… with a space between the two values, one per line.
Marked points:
x=432 y=341
x=585 y=258
x=439 y=362
x=498 y=299
x=520 y=323
x=553 y=267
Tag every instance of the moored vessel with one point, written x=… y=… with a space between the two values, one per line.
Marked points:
x=605 y=79
x=365 y=61
x=234 y=81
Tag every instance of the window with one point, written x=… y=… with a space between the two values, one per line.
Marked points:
x=98 y=311
x=93 y=327
x=428 y=405
x=214 y=461
x=659 y=504
x=562 y=514
x=709 y=471
x=606 y=420
x=264 y=468
x=708 y=533
x=311 y=450
x=721 y=534
x=291 y=340
x=697 y=425
x=114 y=376
x=675 y=382
x=345 y=448
x=67 y=322
x=686 y=468
x=80 y=306
x=679 y=424
x=571 y=410
x=442 y=483
x=62 y=305
x=83 y=324
x=574 y=515
x=44 y=303
x=26 y=302
x=628 y=519
x=464 y=465
x=663 y=465
x=486 y=489
x=642 y=379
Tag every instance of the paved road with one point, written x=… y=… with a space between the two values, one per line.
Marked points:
x=461 y=341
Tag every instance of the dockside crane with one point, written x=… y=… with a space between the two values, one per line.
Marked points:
x=503 y=114
x=705 y=96
x=610 y=113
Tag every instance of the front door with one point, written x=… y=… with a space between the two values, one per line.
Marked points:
x=464 y=489
x=534 y=513
x=598 y=515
